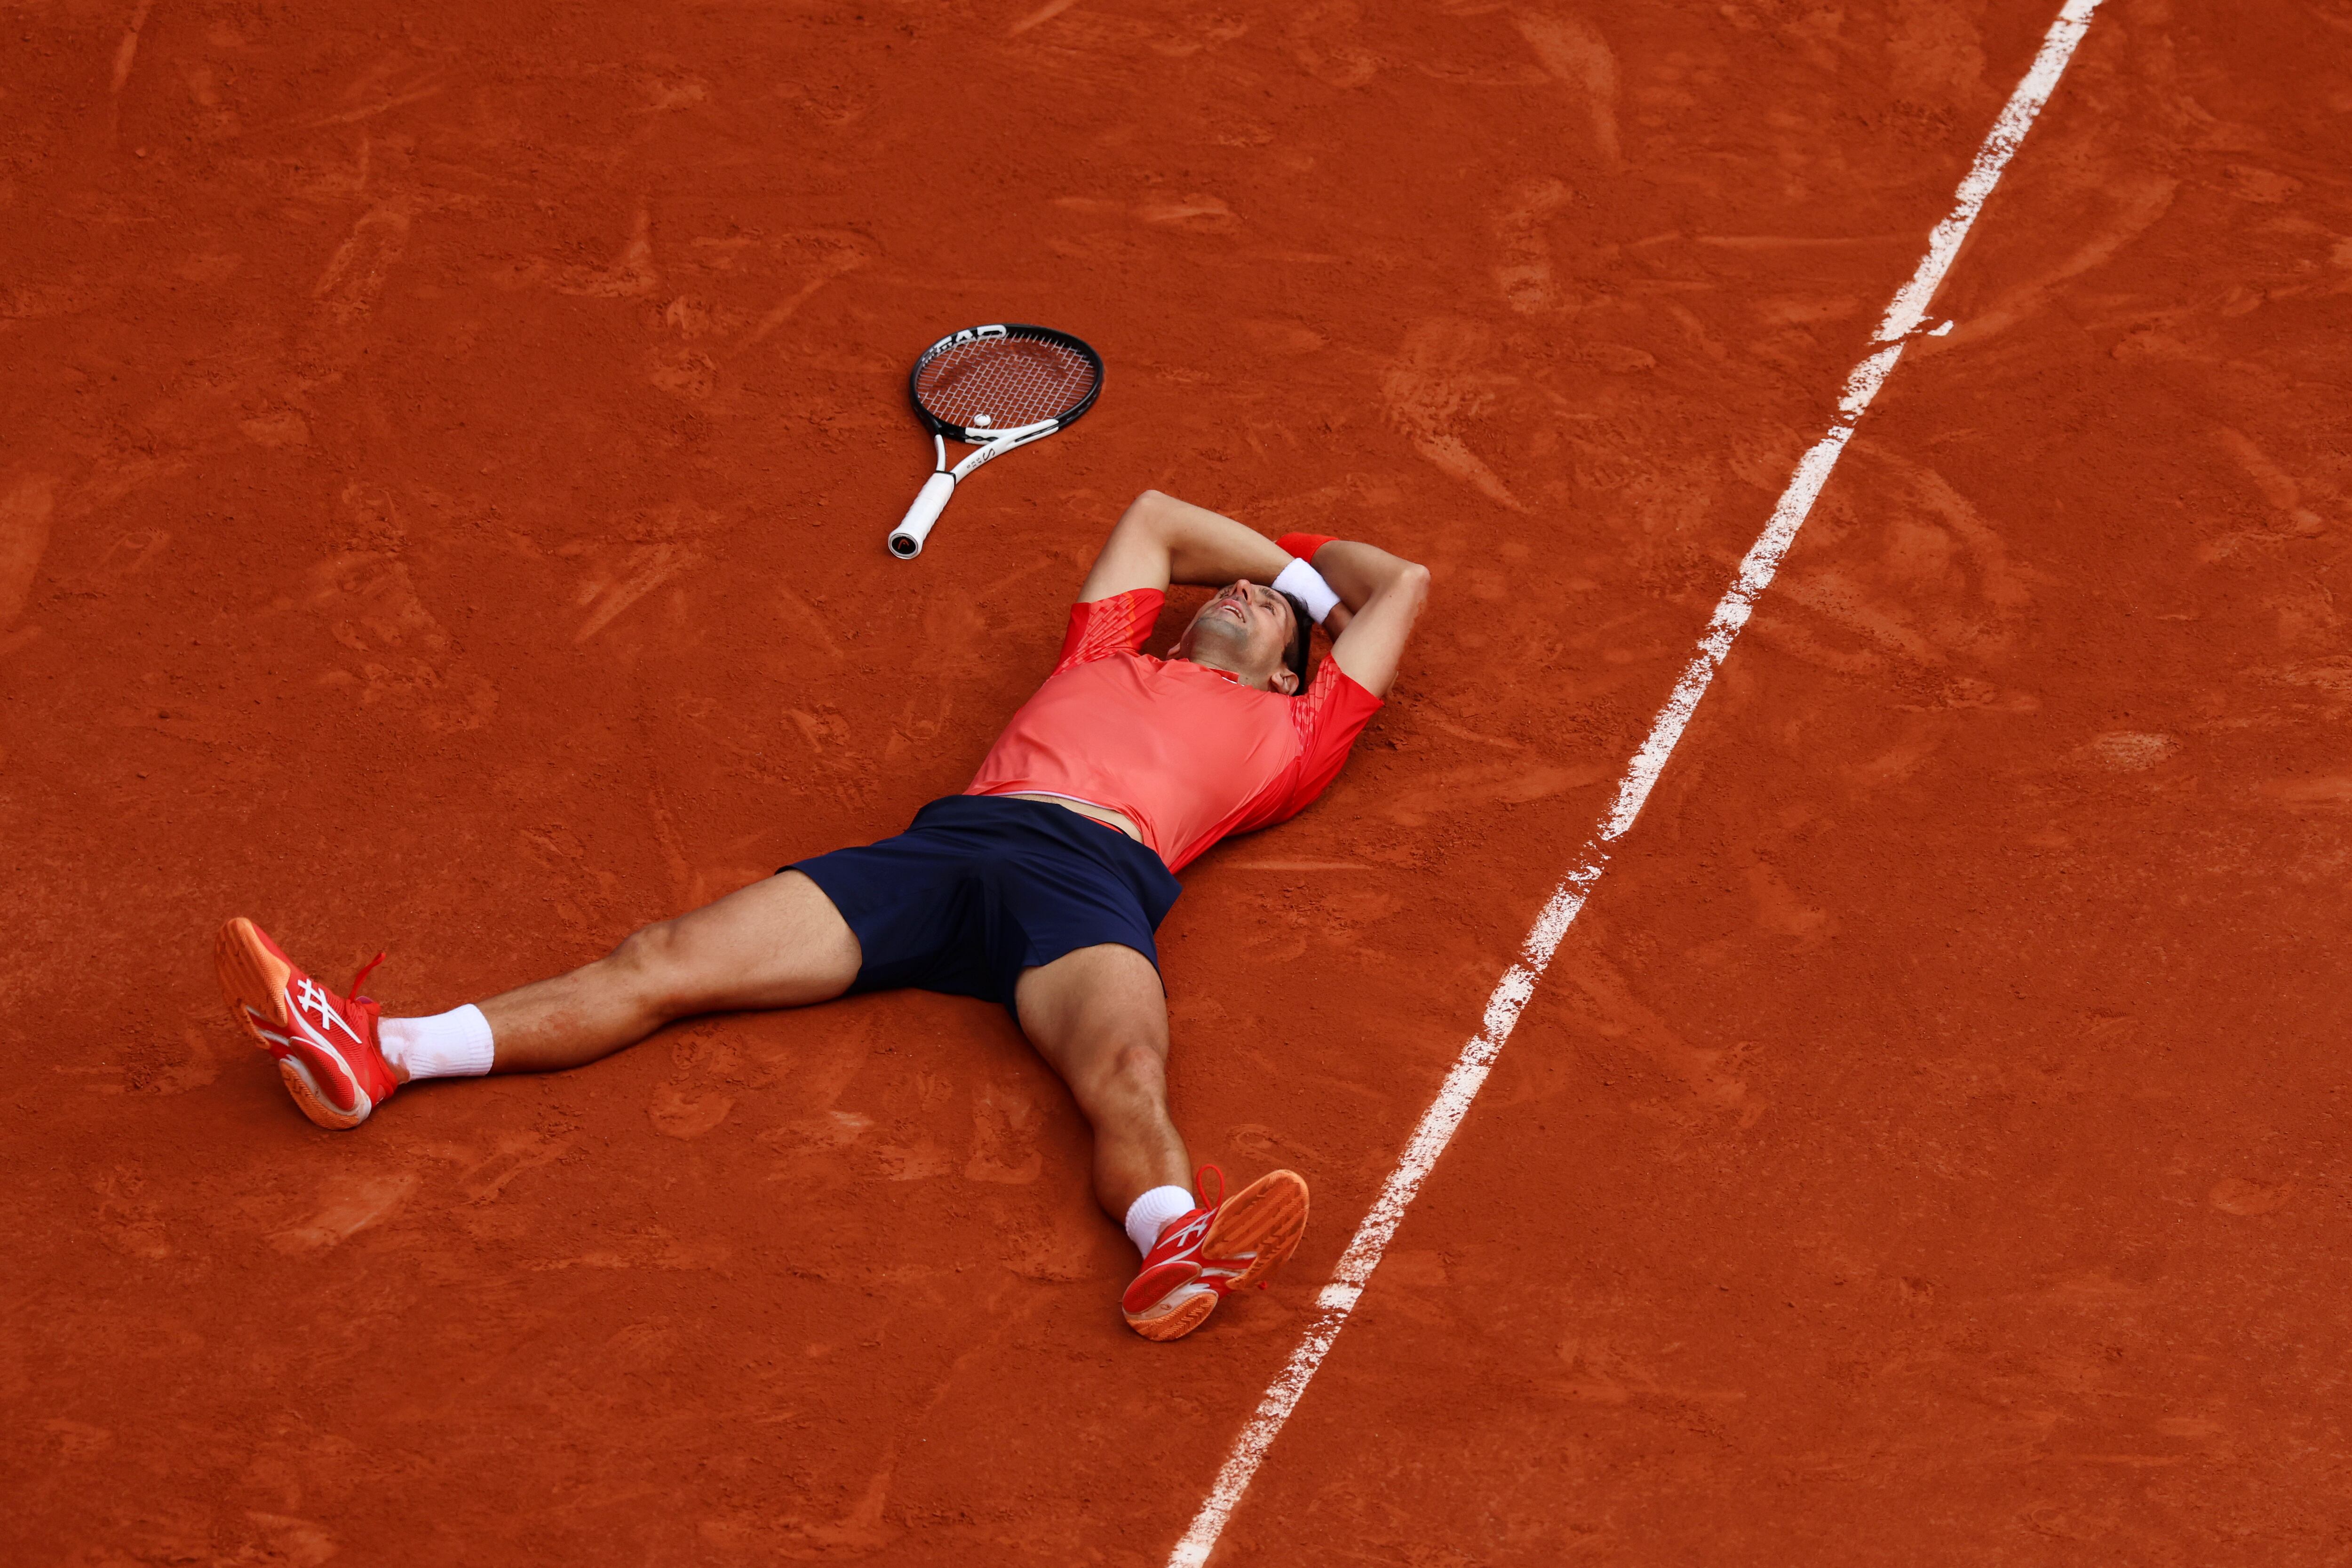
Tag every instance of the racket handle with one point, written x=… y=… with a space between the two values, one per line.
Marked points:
x=907 y=539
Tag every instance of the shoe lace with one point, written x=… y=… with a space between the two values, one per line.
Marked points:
x=361 y=978
x=1202 y=1182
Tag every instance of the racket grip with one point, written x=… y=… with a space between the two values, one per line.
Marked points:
x=907 y=539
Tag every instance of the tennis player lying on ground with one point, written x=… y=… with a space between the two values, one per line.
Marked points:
x=1039 y=887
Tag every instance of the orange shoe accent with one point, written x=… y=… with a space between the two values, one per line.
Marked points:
x=1262 y=1222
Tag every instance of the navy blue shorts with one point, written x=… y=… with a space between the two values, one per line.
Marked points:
x=979 y=887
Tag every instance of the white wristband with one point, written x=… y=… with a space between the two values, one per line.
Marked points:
x=1305 y=585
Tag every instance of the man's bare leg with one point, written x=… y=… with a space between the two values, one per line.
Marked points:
x=777 y=944
x=1099 y=1017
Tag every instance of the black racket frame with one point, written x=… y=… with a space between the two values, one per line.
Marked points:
x=1007 y=330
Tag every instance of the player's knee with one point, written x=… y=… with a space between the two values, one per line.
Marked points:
x=1134 y=1070
x=656 y=964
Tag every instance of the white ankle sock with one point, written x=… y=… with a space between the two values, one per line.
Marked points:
x=456 y=1044
x=1154 y=1209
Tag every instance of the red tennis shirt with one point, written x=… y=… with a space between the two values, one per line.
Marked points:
x=1188 y=753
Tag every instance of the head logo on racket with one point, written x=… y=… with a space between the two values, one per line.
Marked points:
x=994 y=388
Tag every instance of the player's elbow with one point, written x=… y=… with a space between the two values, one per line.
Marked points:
x=1413 y=583
x=1148 y=511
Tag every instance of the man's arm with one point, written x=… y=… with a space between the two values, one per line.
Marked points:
x=1382 y=594
x=1160 y=540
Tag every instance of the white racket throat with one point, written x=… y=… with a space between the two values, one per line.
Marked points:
x=969 y=383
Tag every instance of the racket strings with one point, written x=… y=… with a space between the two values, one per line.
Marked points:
x=1003 y=384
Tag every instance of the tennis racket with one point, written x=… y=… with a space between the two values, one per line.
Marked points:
x=994 y=388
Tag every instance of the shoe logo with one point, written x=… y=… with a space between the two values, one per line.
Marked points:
x=312 y=997
x=1191 y=1235
x=314 y=1054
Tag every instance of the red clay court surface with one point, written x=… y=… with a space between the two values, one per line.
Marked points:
x=447 y=456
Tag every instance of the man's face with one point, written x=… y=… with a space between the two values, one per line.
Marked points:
x=1245 y=628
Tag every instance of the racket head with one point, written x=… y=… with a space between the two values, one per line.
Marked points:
x=973 y=382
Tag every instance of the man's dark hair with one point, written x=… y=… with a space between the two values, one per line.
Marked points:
x=1294 y=656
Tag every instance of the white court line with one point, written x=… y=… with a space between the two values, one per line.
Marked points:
x=1904 y=318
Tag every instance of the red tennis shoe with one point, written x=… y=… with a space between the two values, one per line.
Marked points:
x=1227 y=1244
x=325 y=1043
